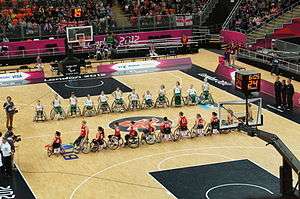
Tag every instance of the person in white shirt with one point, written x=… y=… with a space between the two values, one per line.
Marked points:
x=39 y=108
x=148 y=99
x=133 y=99
x=118 y=95
x=192 y=94
x=57 y=105
x=103 y=99
x=73 y=104
x=88 y=103
x=177 y=94
x=7 y=157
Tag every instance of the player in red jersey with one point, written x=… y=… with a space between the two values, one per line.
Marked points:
x=56 y=144
x=132 y=132
x=182 y=122
x=117 y=131
x=165 y=128
x=150 y=128
x=199 y=124
x=99 y=136
x=214 y=122
x=84 y=132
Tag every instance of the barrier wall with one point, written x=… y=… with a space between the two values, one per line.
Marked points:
x=229 y=36
x=58 y=45
x=21 y=78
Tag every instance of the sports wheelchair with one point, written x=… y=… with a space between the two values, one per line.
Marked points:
x=134 y=142
x=212 y=130
x=195 y=132
x=206 y=98
x=39 y=116
x=118 y=106
x=89 y=112
x=134 y=105
x=175 y=103
x=73 y=113
x=83 y=147
x=96 y=146
x=165 y=137
x=114 y=142
x=51 y=151
x=59 y=115
x=103 y=108
x=162 y=102
x=180 y=134
x=191 y=100
x=149 y=138
x=147 y=104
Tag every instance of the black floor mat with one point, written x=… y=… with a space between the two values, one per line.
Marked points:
x=83 y=87
x=240 y=179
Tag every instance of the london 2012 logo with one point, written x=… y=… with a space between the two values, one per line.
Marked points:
x=141 y=122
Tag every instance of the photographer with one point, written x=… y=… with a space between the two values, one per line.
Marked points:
x=11 y=138
x=10 y=111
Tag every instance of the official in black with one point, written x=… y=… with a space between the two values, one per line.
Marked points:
x=290 y=93
x=10 y=110
x=277 y=89
x=283 y=94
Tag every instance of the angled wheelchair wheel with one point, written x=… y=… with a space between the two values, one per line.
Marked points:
x=176 y=135
x=133 y=142
x=113 y=143
x=49 y=150
x=86 y=147
x=150 y=139
x=103 y=109
x=52 y=114
x=133 y=107
x=94 y=147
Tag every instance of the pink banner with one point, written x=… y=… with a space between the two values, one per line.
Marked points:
x=145 y=66
x=233 y=37
x=58 y=45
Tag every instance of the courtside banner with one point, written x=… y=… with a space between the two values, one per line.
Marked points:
x=145 y=66
x=21 y=78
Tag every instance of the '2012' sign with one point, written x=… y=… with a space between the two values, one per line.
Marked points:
x=130 y=39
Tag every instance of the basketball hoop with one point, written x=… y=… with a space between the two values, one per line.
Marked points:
x=81 y=41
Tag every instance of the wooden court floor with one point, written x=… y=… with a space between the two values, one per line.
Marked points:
x=123 y=173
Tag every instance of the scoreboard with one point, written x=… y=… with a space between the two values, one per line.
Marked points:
x=247 y=81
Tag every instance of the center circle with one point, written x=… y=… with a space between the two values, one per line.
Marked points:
x=141 y=122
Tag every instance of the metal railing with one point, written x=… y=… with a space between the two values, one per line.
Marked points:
x=267 y=59
x=207 y=9
x=231 y=15
x=136 y=24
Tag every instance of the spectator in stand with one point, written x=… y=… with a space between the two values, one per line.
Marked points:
x=184 y=41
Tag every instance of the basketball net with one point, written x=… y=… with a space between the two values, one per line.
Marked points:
x=81 y=42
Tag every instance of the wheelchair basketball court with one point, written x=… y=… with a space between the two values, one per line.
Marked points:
x=231 y=166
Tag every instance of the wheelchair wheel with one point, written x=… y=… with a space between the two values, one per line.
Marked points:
x=89 y=113
x=77 y=113
x=49 y=150
x=133 y=142
x=146 y=106
x=132 y=108
x=182 y=103
x=150 y=139
x=113 y=143
x=176 y=135
x=159 y=104
x=94 y=147
x=103 y=109
x=86 y=147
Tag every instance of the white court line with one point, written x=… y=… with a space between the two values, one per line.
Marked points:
x=180 y=155
x=151 y=155
x=237 y=184
x=25 y=180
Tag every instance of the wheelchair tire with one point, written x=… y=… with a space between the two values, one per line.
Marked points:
x=134 y=142
x=49 y=151
x=86 y=148
x=94 y=147
x=150 y=139
x=113 y=143
x=176 y=135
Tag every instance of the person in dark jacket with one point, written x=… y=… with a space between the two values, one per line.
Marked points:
x=277 y=89
x=283 y=94
x=290 y=93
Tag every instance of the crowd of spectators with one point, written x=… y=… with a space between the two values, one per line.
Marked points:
x=51 y=17
x=160 y=9
x=253 y=13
